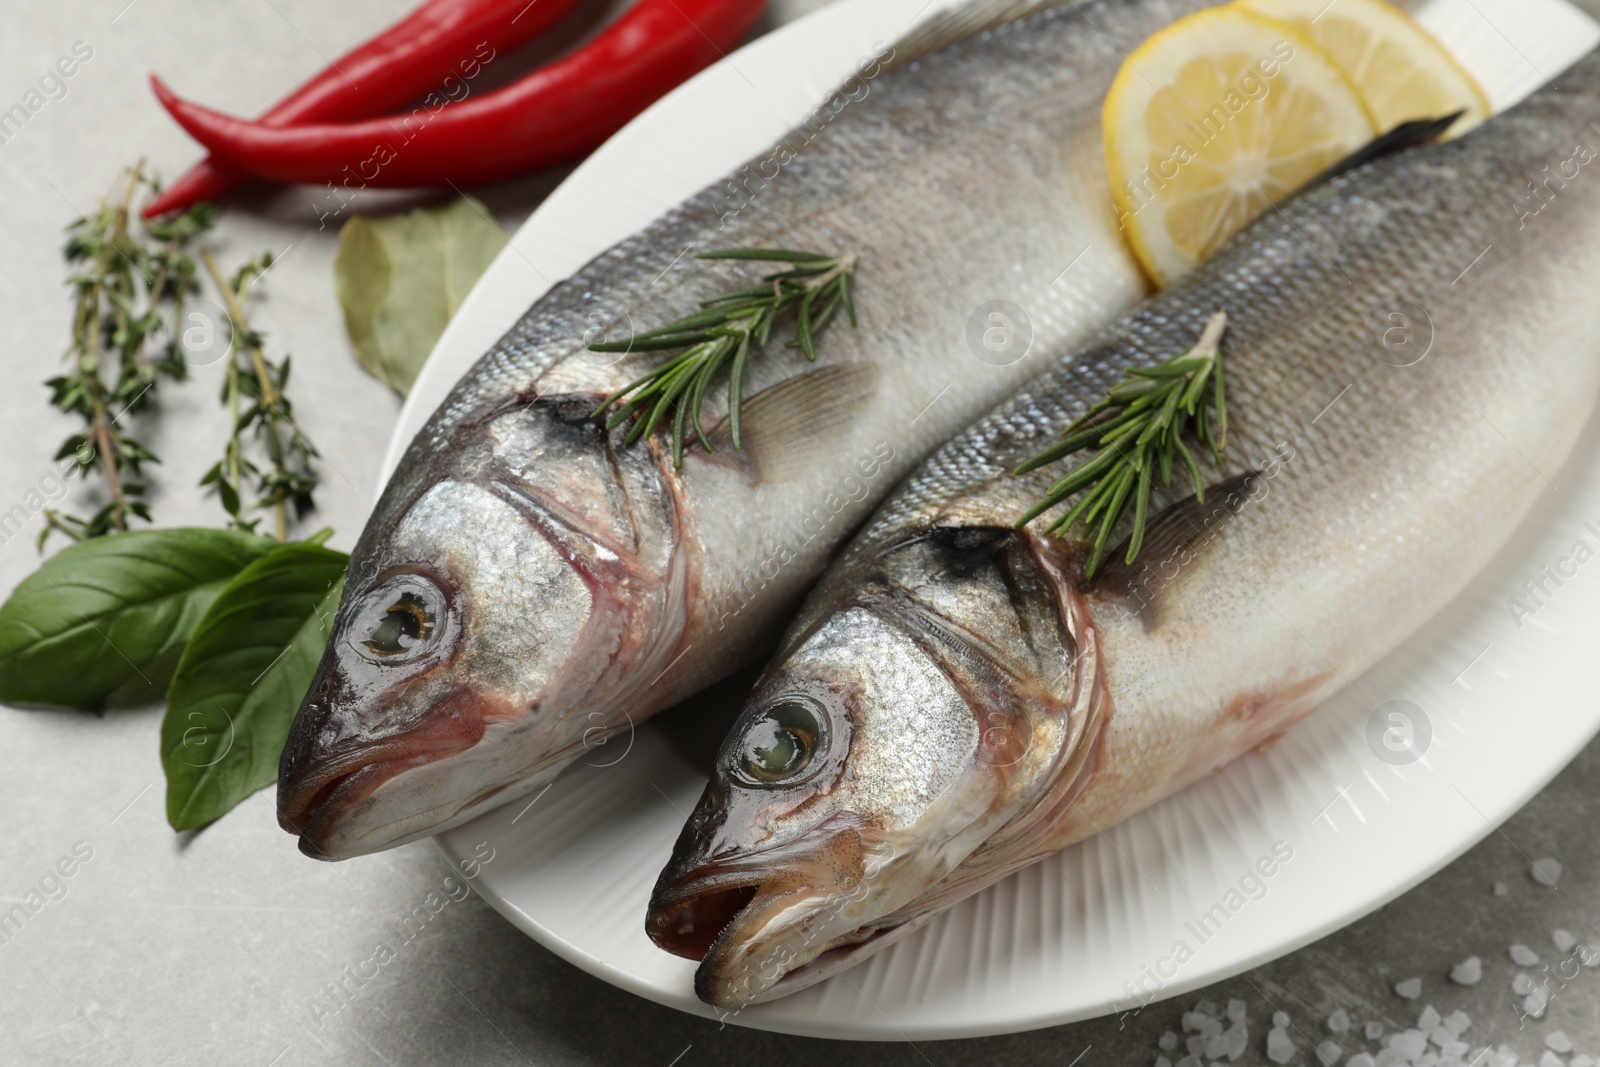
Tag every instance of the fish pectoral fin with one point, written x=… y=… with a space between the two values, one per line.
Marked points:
x=1173 y=539
x=785 y=425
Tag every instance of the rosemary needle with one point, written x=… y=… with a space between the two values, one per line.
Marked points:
x=1138 y=433
x=720 y=337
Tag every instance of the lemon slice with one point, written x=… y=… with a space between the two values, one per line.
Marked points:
x=1214 y=119
x=1399 y=68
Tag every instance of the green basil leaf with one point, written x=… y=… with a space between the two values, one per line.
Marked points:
x=401 y=278
x=103 y=622
x=242 y=678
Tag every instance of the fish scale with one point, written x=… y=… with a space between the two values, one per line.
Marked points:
x=536 y=585
x=1355 y=498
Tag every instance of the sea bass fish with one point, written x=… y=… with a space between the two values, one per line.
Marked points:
x=956 y=699
x=530 y=585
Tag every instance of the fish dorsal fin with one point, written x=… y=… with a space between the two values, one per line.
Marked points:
x=958 y=21
x=785 y=426
x=1172 y=540
x=1413 y=133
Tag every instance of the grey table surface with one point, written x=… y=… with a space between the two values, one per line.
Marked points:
x=219 y=947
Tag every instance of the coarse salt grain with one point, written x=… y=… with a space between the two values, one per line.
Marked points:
x=1374 y=1030
x=1329 y=1053
x=1428 y=1020
x=1558 y=1041
x=1168 y=1041
x=1361 y=1059
x=1410 y=988
x=1280 y=1019
x=1521 y=984
x=1468 y=972
x=1523 y=956
x=1236 y=1010
x=1501 y=889
x=1457 y=1022
x=1410 y=1044
x=1546 y=871
x=1280 y=1049
x=1235 y=1040
x=1339 y=1021
x=1563 y=939
x=1550 y=1059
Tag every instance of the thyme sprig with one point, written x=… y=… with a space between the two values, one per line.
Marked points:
x=130 y=282
x=721 y=335
x=1138 y=433
x=253 y=389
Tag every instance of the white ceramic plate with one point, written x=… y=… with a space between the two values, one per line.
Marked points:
x=1507 y=701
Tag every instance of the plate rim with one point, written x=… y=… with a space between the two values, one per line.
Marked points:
x=574 y=952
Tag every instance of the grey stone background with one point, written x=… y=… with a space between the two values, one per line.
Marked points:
x=212 y=948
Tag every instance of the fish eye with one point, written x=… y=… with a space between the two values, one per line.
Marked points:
x=780 y=743
x=397 y=621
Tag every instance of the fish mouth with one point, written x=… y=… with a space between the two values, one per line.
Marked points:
x=764 y=924
x=688 y=920
x=748 y=953
x=326 y=790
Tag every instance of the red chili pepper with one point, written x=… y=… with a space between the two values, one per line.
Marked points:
x=555 y=114
x=441 y=39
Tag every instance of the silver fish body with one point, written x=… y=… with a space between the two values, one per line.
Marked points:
x=529 y=586
x=956 y=699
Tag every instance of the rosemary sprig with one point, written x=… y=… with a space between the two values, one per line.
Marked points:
x=253 y=379
x=130 y=283
x=1138 y=432
x=720 y=336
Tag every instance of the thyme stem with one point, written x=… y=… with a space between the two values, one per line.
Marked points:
x=241 y=327
x=123 y=286
x=104 y=436
x=290 y=479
